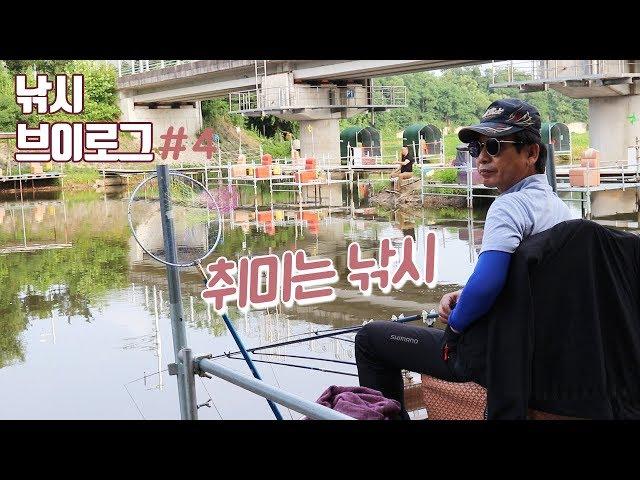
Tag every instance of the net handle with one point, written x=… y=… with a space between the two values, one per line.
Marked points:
x=133 y=231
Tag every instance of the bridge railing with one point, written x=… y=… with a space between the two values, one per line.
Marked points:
x=130 y=67
x=329 y=96
x=515 y=71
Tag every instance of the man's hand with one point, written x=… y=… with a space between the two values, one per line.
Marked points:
x=447 y=303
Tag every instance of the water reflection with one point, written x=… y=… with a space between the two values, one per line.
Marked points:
x=87 y=319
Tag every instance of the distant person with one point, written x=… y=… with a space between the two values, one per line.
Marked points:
x=510 y=156
x=405 y=169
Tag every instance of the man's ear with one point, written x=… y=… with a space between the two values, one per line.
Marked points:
x=534 y=153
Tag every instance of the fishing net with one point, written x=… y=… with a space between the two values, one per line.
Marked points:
x=197 y=222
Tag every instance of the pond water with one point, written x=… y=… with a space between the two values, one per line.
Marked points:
x=84 y=321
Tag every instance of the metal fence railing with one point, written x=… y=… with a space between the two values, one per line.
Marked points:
x=304 y=96
x=512 y=71
x=130 y=67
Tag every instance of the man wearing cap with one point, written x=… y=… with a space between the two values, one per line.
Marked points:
x=511 y=157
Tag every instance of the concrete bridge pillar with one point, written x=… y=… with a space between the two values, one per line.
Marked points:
x=163 y=116
x=611 y=129
x=321 y=139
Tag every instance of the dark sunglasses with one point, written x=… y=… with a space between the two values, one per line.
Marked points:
x=492 y=145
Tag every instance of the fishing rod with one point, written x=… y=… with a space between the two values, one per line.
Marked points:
x=324 y=370
x=428 y=318
x=320 y=359
x=425 y=316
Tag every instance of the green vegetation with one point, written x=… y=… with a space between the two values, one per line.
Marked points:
x=451 y=141
x=446 y=175
x=458 y=97
x=100 y=102
x=100 y=99
x=579 y=143
x=276 y=148
x=82 y=196
x=268 y=132
x=379 y=185
x=74 y=175
x=91 y=268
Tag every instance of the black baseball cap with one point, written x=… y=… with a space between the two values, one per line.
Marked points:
x=502 y=118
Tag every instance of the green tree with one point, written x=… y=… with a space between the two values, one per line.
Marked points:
x=50 y=67
x=100 y=95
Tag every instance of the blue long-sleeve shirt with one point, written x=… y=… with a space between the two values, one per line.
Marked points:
x=482 y=289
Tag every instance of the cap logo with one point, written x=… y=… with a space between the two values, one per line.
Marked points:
x=494 y=130
x=492 y=112
x=521 y=118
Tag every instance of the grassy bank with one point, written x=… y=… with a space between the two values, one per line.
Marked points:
x=80 y=177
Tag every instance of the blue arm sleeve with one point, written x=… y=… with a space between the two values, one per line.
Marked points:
x=482 y=289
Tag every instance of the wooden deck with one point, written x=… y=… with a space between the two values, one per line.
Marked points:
x=33 y=248
x=30 y=176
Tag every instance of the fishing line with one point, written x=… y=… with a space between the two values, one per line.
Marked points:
x=133 y=400
x=308 y=358
x=278 y=383
x=210 y=399
x=305 y=367
x=146 y=376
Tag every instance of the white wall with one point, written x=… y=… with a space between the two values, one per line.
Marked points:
x=610 y=129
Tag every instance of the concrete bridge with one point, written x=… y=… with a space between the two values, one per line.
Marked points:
x=611 y=86
x=149 y=82
x=318 y=93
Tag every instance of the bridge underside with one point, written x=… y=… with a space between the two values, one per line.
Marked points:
x=206 y=79
x=171 y=96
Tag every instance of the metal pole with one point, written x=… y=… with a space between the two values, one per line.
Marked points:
x=312 y=410
x=469 y=181
x=178 y=329
x=551 y=167
x=247 y=359
x=186 y=356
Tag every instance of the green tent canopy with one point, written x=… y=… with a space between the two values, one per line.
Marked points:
x=558 y=134
x=368 y=137
x=431 y=134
